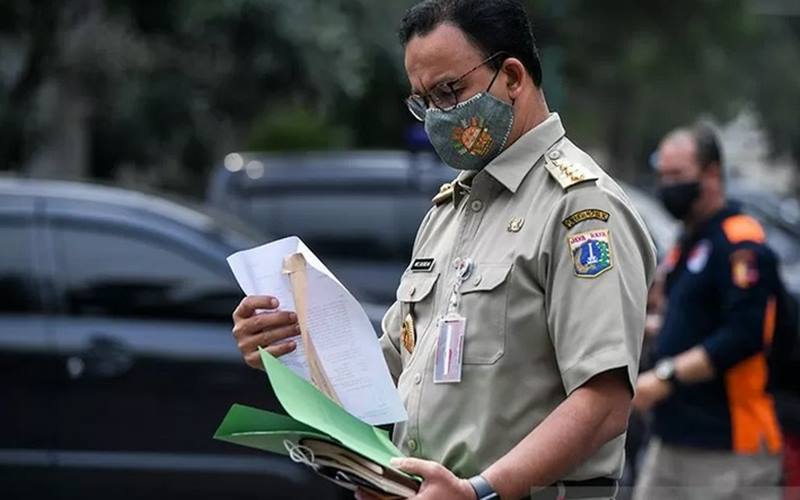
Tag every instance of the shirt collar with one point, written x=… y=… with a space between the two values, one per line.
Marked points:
x=463 y=184
x=513 y=164
x=689 y=239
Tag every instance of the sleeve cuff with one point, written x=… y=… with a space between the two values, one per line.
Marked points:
x=725 y=352
x=717 y=353
x=596 y=363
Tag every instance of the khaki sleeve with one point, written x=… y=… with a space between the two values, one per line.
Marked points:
x=599 y=261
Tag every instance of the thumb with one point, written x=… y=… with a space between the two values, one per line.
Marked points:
x=416 y=466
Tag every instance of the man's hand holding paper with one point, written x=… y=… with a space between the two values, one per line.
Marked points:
x=337 y=348
x=258 y=322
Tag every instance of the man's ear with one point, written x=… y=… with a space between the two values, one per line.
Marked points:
x=714 y=171
x=515 y=77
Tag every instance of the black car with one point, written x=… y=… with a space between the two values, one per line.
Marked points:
x=116 y=356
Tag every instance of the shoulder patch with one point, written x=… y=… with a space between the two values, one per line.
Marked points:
x=739 y=228
x=591 y=253
x=584 y=215
x=566 y=173
x=444 y=195
x=744 y=268
x=697 y=257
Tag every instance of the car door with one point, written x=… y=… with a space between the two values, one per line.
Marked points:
x=145 y=335
x=29 y=376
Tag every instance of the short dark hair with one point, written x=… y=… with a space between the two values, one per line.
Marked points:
x=707 y=145
x=707 y=148
x=492 y=25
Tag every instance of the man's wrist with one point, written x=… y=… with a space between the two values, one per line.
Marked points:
x=666 y=371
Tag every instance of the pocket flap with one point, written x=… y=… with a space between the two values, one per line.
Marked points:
x=486 y=277
x=414 y=287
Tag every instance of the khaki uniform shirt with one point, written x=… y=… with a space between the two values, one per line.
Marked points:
x=540 y=319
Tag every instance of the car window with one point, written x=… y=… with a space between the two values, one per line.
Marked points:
x=133 y=274
x=18 y=293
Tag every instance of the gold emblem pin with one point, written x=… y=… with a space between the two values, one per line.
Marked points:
x=516 y=224
x=407 y=334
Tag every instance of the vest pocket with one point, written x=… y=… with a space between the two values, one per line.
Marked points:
x=416 y=297
x=483 y=302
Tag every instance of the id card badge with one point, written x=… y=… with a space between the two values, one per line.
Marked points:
x=449 y=349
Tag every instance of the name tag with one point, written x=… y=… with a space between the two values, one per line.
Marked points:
x=422 y=265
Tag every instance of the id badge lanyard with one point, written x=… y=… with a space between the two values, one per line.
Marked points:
x=451 y=330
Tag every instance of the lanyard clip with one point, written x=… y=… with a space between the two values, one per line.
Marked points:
x=463 y=269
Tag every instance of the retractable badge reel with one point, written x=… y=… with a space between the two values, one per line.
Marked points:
x=452 y=327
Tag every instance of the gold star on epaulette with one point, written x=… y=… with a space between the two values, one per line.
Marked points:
x=565 y=172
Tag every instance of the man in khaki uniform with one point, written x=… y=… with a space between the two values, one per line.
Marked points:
x=536 y=329
x=533 y=250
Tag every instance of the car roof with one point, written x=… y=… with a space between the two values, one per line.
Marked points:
x=351 y=159
x=109 y=195
x=332 y=168
x=204 y=219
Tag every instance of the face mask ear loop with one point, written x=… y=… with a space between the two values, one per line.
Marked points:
x=300 y=454
x=496 y=74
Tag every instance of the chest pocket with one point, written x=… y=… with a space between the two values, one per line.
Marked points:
x=484 y=299
x=416 y=296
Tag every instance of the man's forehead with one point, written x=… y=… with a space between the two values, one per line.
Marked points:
x=443 y=53
x=677 y=151
x=678 y=145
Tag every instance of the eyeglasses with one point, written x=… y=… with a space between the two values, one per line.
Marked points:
x=444 y=95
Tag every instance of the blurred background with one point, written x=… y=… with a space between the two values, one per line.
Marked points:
x=141 y=142
x=155 y=93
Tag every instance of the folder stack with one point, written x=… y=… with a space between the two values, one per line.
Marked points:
x=321 y=434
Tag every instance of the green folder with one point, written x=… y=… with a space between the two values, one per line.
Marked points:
x=312 y=415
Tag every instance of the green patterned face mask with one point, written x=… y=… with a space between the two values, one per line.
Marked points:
x=471 y=134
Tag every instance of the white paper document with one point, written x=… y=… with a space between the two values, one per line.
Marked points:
x=340 y=330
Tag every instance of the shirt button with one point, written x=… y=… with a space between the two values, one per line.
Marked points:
x=477 y=280
x=554 y=155
x=477 y=205
x=417 y=378
x=412 y=445
x=412 y=290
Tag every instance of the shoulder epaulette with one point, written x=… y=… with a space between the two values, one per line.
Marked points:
x=444 y=195
x=564 y=171
x=739 y=228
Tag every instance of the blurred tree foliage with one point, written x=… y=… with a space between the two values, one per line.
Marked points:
x=182 y=82
x=632 y=70
x=294 y=129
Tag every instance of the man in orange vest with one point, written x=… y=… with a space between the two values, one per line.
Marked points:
x=715 y=430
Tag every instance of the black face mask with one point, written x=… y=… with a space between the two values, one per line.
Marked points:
x=678 y=198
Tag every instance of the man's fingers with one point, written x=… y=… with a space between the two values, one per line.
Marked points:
x=248 y=306
x=423 y=468
x=252 y=330
x=267 y=338
x=267 y=321
x=279 y=350
x=640 y=404
x=253 y=359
